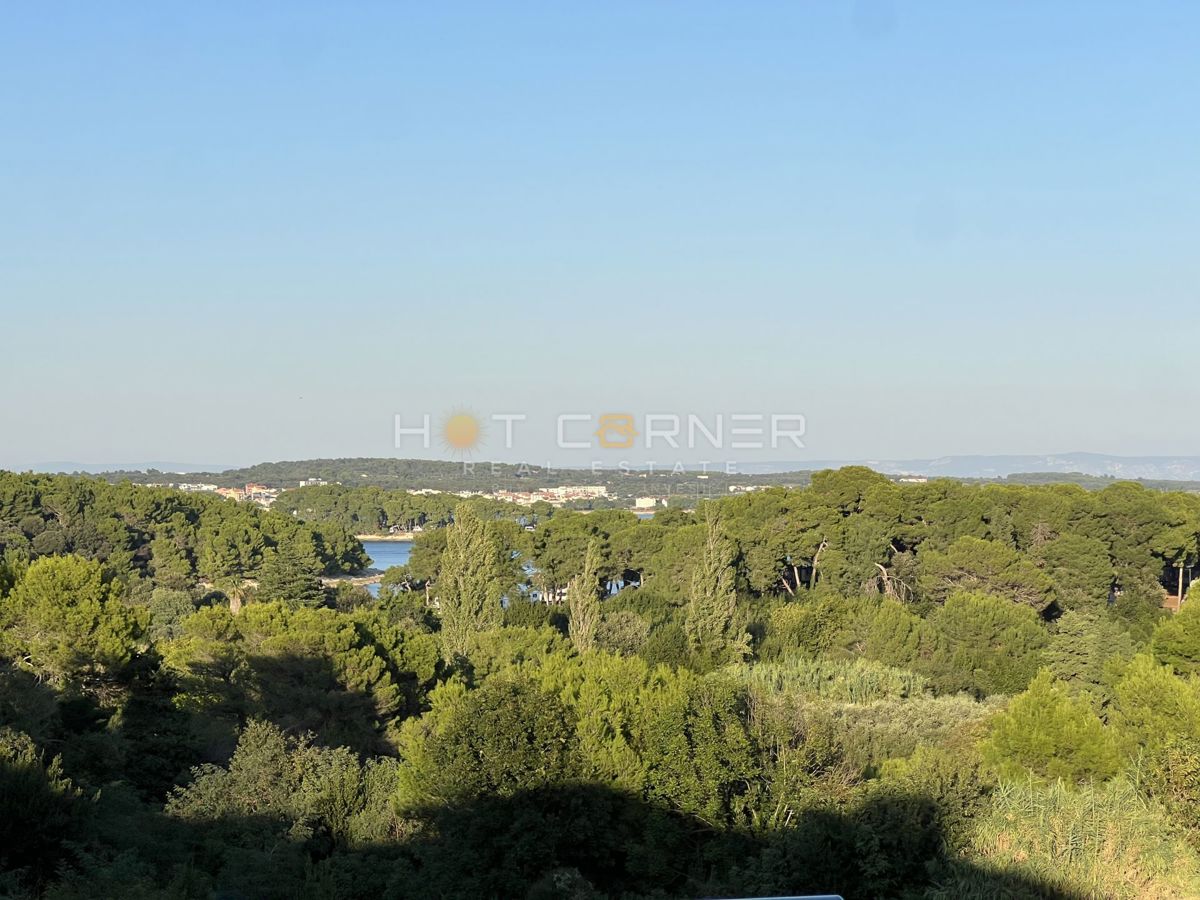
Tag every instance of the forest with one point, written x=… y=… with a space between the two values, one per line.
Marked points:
x=934 y=690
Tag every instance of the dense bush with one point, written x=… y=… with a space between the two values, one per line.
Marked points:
x=1092 y=841
x=1047 y=731
x=847 y=681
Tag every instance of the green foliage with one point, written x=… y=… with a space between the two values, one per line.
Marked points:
x=1080 y=569
x=667 y=645
x=1084 y=650
x=622 y=631
x=604 y=693
x=874 y=844
x=273 y=778
x=170 y=563
x=279 y=801
x=972 y=564
x=166 y=534
x=872 y=733
x=845 y=681
x=1139 y=603
x=984 y=644
x=712 y=632
x=1172 y=777
x=956 y=783
x=65 y=620
x=1153 y=705
x=583 y=601
x=1052 y=734
x=522 y=612
x=289 y=573
x=345 y=678
x=168 y=608
x=561 y=543
x=38 y=809
x=974 y=642
x=895 y=636
x=425 y=560
x=1090 y=841
x=505 y=737
x=1176 y=641
x=11 y=569
x=809 y=625
x=502 y=649
x=470 y=585
x=698 y=754
x=334 y=753
x=229 y=548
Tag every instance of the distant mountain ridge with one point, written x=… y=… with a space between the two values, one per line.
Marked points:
x=1147 y=468
x=1159 y=468
x=173 y=468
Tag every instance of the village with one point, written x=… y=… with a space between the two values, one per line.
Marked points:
x=561 y=495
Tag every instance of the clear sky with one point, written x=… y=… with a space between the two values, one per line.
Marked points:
x=232 y=231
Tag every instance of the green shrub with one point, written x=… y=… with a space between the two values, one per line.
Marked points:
x=1176 y=640
x=875 y=732
x=1172 y=776
x=622 y=631
x=1093 y=841
x=505 y=737
x=810 y=626
x=1050 y=733
x=954 y=781
x=895 y=636
x=845 y=681
x=1084 y=650
x=1153 y=704
x=38 y=808
x=985 y=644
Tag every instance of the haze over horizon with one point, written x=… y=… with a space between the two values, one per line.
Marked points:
x=1151 y=469
x=242 y=234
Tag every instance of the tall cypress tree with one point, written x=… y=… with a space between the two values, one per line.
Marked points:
x=712 y=600
x=583 y=601
x=470 y=582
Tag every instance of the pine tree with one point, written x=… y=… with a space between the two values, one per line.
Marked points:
x=897 y=637
x=583 y=601
x=985 y=644
x=170 y=563
x=470 y=582
x=289 y=574
x=1084 y=648
x=66 y=620
x=1047 y=731
x=1176 y=640
x=1153 y=704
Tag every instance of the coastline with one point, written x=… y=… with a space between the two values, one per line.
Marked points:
x=362 y=577
x=399 y=537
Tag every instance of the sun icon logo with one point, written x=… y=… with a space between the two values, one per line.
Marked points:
x=461 y=432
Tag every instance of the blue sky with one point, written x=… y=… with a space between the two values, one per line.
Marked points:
x=235 y=232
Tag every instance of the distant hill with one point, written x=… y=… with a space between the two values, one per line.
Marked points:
x=444 y=475
x=72 y=468
x=1090 y=470
x=1154 y=468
